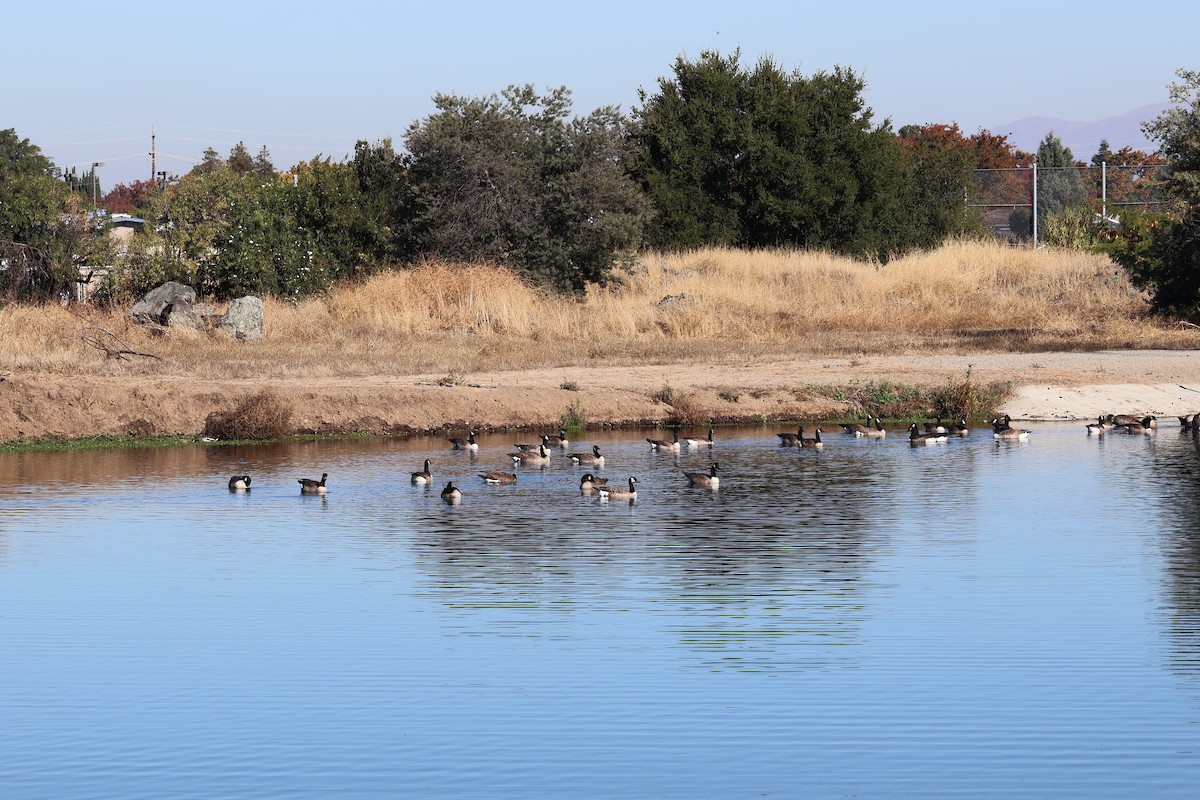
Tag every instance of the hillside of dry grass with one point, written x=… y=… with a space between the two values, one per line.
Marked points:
x=714 y=306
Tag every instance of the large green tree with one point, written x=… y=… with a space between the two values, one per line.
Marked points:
x=46 y=233
x=939 y=165
x=513 y=179
x=1163 y=254
x=763 y=157
x=1060 y=183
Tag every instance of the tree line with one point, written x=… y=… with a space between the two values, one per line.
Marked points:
x=717 y=153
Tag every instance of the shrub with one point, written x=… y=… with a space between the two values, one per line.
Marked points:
x=263 y=415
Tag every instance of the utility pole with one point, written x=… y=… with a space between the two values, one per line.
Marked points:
x=96 y=183
x=153 y=170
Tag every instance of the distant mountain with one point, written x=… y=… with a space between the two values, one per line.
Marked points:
x=1084 y=137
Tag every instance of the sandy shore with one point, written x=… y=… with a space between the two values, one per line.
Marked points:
x=1048 y=386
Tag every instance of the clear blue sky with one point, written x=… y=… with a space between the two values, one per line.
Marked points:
x=86 y=81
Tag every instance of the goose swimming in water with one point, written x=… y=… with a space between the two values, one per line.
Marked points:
x=309 y=486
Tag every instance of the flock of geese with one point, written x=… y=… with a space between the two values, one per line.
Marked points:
x=539 y=454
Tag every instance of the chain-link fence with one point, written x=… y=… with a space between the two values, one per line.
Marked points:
x=1016 y=203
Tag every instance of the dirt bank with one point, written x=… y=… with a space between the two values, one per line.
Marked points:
x=1046 y=386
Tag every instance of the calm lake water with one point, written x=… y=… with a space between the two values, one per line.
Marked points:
x=966 y=620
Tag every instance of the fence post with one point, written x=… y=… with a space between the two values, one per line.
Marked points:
x=1035 y=230
x=1103 y=191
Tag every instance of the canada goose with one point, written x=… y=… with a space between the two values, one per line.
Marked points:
x=960 y=428
x=309 y=486
x=589 y=483
x=423 y=477
x=593 y=457
x=532 y=448
x=876 y=432
x=523 y=457
x=1100 y=426
x=663 y=446
x=239 y=483
x=916 y=438
x=857 y=428
x=814 y=442
x=451 y=494
x=790 y=439
x=700 y=441
x=464 y=444
x=557 y=441
x=1003 y=422
x=1001 y=430
x=618 y=492
x=1186 y=422
x=935 y=427
x=1146 y=426
x=1121 y=420
x=707 y=480
x=499 y=478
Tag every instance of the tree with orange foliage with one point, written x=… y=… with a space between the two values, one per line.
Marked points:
x=127 y=198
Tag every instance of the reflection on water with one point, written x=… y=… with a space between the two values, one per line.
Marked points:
x=1004 y=619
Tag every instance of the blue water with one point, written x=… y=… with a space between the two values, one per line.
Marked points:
x=967 y=620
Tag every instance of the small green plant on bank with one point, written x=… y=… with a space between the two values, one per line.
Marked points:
x=574 y=418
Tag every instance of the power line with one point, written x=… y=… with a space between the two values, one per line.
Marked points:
x=87 y=130
x=90 y=161
x=263 y=133
x=94 y=141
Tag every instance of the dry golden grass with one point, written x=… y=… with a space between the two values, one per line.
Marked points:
x=261 y=415
x=708 y=305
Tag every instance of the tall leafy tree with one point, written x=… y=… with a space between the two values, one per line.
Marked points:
x=1163 y=255
x=240 y=159
x=387 y=195
x=1060 y=183
x=127 y=198
x=262 y=163
x=45 y=230
x=939 y=162
x=764 y=157
x=511 y=178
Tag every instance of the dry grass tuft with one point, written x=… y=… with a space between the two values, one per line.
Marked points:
x=713 y=305
x=262 y=415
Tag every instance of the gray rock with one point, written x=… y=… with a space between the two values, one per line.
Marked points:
x=243 y=319
x=152 y=309
x=184 y=315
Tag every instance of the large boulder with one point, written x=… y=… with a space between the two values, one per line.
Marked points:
x=243 y=319
x=155 y=307
x=185 y=316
